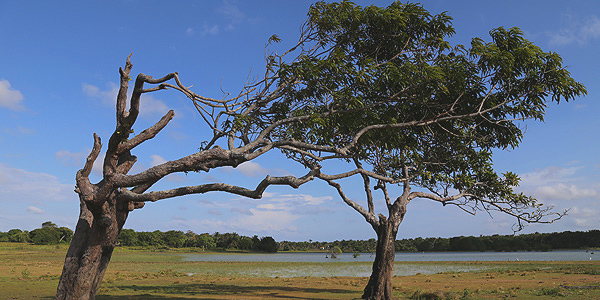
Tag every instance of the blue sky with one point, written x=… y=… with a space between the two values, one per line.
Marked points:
x=58 y=77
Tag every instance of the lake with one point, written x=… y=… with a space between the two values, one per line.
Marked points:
x=316 y=265
x=571 y=255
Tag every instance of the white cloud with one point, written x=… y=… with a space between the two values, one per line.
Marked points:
x=273 y=215
x=190 y=31
x=35 y=210
x=156 y=160
x=232 y=13
x=556 y=183
x=149 y=106
x=215 y=212
x=77 y=159
x=548 y=175
x=107 y=96
x=267 y=206
x=19 y=131
x=268 y=221
x=252 y=169
x=9 y=97
x=241 y=210
x=29 y=187
x=210 y=30
x=231 y=16
x=69 y=158
x=564 y=192
x=584 y=217
x=576 y=30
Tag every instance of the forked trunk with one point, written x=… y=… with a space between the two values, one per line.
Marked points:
x=90 y=251
x=380 y=282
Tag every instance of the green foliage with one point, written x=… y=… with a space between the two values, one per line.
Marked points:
x=525 y=242
x=48 y=234
x=45 y=236
x=18 y=236
x=48 y=224
x=441 y=109
x=174 y=238
x=205 y=241
x=335 y=251
x=557 y=291
x=267 y=244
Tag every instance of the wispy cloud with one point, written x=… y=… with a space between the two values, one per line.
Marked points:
x=566 y=189
x=31 y=187
x=77 y=159
x=19 y=131
x=35 y=210
x=232 y=13
x=585 y=217
x=557 y=183
x=149 y=106
x=156 y=160
x=9 y=97
x=576 y=30
x=231 y=16
x=273 y=214
x=190 y=31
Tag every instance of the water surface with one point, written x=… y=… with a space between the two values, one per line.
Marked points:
x=571 y=255
x=317 y=265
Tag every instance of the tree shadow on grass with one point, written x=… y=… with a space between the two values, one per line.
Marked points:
x=223 y=291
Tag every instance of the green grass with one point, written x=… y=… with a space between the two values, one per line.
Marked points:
x=32 y=272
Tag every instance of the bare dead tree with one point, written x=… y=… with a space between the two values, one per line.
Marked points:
x=105 y=206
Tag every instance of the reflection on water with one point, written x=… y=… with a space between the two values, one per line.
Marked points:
x=316 y=265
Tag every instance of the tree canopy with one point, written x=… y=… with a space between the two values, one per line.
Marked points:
x=384 y=89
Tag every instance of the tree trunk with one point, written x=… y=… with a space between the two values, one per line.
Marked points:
x=90 y=251
x=380 y=282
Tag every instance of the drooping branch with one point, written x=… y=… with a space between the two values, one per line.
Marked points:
x=257 y=193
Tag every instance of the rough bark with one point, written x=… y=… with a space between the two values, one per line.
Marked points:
x=379 y=286
x=90 y=250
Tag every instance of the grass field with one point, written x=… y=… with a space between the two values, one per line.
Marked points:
x=32 y=272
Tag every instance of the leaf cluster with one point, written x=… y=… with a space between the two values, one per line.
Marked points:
x=386 y=85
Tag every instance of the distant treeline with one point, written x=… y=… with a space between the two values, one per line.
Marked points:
x=524 y=242
x=204 y=241
x=49 y=233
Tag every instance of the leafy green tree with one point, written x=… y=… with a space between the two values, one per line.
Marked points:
x=174 y=238
x=4 y=237
x=45 y=236
x=18 y=236
x=66 y=235
x=153 y=238
x=245 y=243
x=128 y=237
x=268 y=244
x=335 y=251
x=414 y=116
x=205 y=241
x=48 y=224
